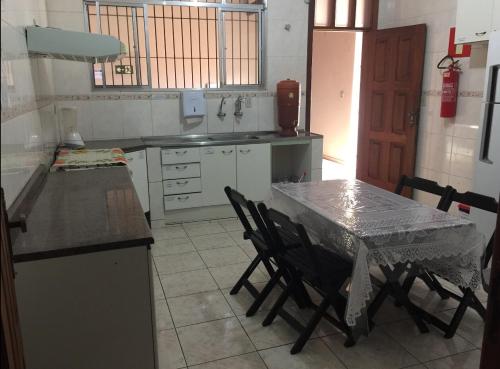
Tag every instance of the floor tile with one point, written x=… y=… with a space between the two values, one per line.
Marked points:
x=245 y=361
x=227 y=276
x=324 y=327
x=465 y=360
x=163 y=318
x=199 y=308
x=237 y=236
x=231 y=224
x=169 y=264
x=202 y=228
x=213 y=241
x=157 y=288
x=171 y=231
x=471 y=327
x=186 y=283
x=169 y=351
x=249 y=249
x=429 y=300
x=276 y=334
x=377 y=351
x=389 y=313
x=172 y=246
x=314 y=355
x=241 y=301
x=213 y=340
x=224 y=256
x=425 y=346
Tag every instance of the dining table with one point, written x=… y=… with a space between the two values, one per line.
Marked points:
x=375 y=227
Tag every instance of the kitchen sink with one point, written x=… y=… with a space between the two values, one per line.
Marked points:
x=200 y=139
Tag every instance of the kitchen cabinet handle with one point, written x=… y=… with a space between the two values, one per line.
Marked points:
x=480 y=33
x=182 y=183
x=130 y=159
x=181 y=152
x=184 y=167
x=227 y=152
x=183 y=198
x=19 y=223
x=245 y=151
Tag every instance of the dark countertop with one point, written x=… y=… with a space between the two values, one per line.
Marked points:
x=126 y=144
x=215 y=139
x=81 y=212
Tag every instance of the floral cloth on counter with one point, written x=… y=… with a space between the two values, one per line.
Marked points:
x=85 y=158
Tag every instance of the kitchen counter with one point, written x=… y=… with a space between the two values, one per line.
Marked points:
x=82 y=212
x=216 y=139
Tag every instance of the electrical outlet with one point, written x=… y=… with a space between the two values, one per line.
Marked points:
x=248 y=102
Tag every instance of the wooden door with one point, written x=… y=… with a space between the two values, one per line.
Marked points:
x=12 y=349
x=391 y=79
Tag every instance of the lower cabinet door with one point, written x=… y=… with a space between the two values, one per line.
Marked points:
x=218 y=170
x=253 y=177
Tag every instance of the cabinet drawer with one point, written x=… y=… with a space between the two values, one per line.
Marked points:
x=181 y=185
x=181 y=171
x=191 y=200
x=182 y=155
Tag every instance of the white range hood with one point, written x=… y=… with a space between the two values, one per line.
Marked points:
x=69 y=45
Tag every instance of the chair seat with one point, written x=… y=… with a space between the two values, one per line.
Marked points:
x=259 y=242
x=334 y=267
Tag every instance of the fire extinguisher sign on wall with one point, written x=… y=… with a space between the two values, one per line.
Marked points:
x=449 y=93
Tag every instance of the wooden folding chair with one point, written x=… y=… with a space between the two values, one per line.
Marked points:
x=320 y=268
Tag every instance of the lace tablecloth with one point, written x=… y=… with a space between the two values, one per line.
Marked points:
x=372 y=225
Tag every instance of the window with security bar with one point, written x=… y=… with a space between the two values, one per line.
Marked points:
x=181 y=44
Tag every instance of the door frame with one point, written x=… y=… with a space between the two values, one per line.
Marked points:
x=310 y=40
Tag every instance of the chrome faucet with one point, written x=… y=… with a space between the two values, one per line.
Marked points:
x=237 y=107
x=221 y=114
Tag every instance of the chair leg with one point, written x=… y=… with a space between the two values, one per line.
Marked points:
x=313 y=322
x=407 y=285
x=377 y=303
x=402 y=297
x=459 y=313
x=244 y=277
x=438 y=287
x=277 y=306
x=264 y=293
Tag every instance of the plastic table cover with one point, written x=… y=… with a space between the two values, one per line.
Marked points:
x=374 y=226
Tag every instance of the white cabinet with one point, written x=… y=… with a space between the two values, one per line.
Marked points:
x=253 y=171
x=137 y=166
x=474 y=20
x=218 y=170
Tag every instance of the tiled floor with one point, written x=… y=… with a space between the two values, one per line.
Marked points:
x=200 y=325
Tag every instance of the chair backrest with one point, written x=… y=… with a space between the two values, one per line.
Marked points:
x=239 y=202
x=273 y=218
x=428 y=186
x=482 y=202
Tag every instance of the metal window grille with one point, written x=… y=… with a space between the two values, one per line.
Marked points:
x=181 y=45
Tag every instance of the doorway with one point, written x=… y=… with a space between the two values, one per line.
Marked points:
x=335 y=89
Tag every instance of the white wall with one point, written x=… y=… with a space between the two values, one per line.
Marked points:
x=28 y=124
x=118 y=114
x=331 y=91
x=445 y=150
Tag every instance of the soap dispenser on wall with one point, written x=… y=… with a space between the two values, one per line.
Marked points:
x=193 y=106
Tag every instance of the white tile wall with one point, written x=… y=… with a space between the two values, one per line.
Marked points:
x=445 y=149
x=28 y=128
x=286 y=58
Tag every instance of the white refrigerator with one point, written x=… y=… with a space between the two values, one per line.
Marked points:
x=487 y=166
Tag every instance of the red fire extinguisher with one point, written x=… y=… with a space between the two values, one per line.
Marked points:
x=450 y=87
